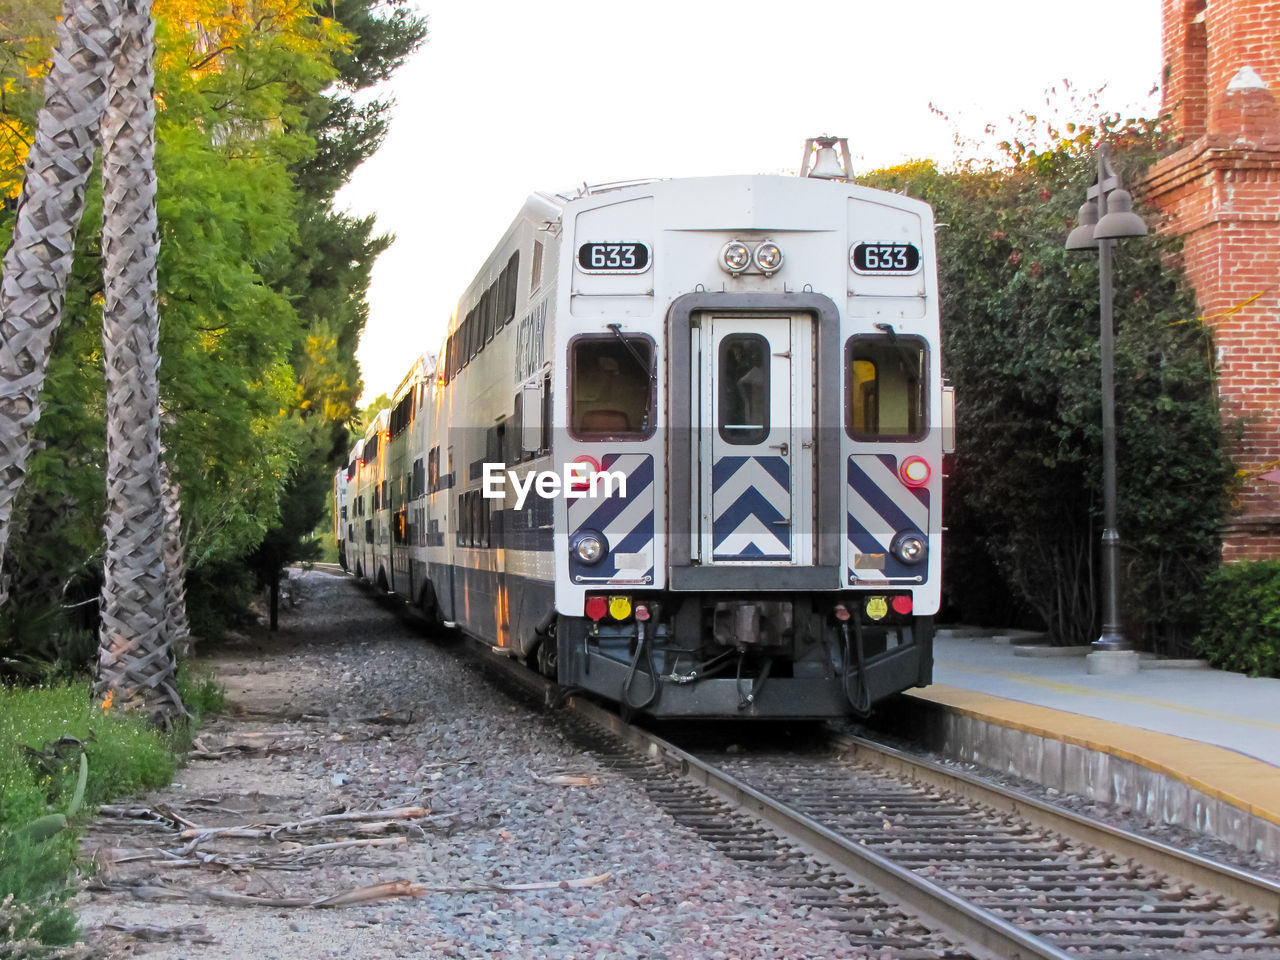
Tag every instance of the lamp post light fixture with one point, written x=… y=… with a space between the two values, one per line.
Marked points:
x=1106 y=216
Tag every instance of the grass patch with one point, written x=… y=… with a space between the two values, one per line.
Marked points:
x=200 y=691
x=43 y=732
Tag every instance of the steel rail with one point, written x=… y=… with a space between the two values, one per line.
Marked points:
x=981 y=932
x=1257 y=891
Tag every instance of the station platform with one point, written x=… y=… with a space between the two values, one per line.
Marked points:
x=1177 y=741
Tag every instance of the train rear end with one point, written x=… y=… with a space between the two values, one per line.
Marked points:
x=765 y=541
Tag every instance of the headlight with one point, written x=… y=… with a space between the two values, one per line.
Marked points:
x=768 y=257
x=589 y=547
x=910 y=547
x=735 y=256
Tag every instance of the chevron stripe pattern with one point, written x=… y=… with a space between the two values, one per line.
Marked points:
x=880 y=505
x=751 y=497
x=627 y=523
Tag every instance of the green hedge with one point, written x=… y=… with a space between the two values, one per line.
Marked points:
x=1241 y=628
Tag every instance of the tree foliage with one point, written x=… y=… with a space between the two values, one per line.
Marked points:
x=262 y=284
x=1021 y=345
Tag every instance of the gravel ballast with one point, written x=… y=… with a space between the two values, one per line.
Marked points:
x=350 y=708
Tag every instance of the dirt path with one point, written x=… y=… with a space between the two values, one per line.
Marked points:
x=348 y=710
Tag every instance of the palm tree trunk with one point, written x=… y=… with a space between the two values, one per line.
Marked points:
x=135 y=657
x=37 y=264
x=177 y=626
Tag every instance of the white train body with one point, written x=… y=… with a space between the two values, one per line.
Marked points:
x=752 y=363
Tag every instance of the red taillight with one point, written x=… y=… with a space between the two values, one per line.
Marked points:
x=597 y=607
x=641 y=612
x=581 y=482
x=901 y=604
x=914 y=471
x=842 y=612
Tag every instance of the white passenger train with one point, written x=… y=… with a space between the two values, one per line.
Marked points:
x=682 y=447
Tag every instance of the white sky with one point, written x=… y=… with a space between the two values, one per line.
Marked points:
x=511 y=96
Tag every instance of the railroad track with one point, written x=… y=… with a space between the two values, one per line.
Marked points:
x=926 y=862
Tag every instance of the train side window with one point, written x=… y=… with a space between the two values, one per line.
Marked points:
x=886 y=397
x=473 y=334
x=433 y=469
x=611 y=387
x=487 y=313
x=507 y=285
x=743 y=375
x=535 y=267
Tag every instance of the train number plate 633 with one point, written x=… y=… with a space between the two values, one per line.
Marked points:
x=611 y=257
x=885 y=258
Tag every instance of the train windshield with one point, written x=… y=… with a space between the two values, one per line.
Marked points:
x=611 y=387
x=886 y=377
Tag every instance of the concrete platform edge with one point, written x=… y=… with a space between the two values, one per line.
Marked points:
x=1200 y=787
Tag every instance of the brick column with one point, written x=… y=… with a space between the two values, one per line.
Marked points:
x=1221 y=193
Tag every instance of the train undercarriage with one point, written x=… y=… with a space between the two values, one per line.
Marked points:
x=771 y=655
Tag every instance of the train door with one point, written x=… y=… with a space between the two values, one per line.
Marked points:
x=753 y=419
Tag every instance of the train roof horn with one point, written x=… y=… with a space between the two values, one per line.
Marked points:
x=821 y=161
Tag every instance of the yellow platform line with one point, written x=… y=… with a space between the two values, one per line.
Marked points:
x=1245 y=782
x=1076 y=689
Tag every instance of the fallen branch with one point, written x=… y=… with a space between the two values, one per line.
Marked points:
x=392 y=889
x=567 y=780
x=258 y=830
x=196 y=932
x=234 y=862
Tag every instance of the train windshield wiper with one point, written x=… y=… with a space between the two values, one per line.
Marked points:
x=648 y=368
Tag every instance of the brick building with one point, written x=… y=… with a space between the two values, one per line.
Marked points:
x=1221 y=190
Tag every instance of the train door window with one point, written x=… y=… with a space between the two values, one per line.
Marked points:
x=419 y=479
x=368 y=531
x=743 y=376
x=343 y=512
x=386 y=501
x=433 y=469
x=611 y=387
x=886 y=388
x=535 y=267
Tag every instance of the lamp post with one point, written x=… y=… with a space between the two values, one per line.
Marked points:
x=1107 y=215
